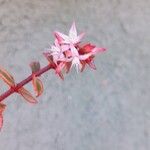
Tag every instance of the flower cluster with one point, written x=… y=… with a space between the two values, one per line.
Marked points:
x=68 y=51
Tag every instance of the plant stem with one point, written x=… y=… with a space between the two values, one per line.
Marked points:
x=25 y=81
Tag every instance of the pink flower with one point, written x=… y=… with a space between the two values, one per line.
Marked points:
x=68 y=52
x=92 y=50
x=57 y=52
x=72 y=38
x=77 y=58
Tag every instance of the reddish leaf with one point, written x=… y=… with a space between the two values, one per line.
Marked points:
x=27 y=95
x=2 y=108
x=7 y=78
x=35 y=66
x=38 y=86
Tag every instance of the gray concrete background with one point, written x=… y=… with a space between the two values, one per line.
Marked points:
x=107 y=109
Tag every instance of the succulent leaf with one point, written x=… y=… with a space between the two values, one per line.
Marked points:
x=7 y=77
x=38 y=86
x=27 y=95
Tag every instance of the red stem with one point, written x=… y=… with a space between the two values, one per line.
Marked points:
x=24 y=82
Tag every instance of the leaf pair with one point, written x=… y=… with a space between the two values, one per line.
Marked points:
x=9 y=80
x=36 y=82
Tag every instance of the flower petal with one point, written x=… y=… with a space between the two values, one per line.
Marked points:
x=65 y=47
x=58 y=70
x=73 y=31
x=83 y=65
x=61 y=37
x=61 y=75
x=67 y=67
x=74 y=51
x=85 y=56
x=97 y=50
x=76 y=63
x=87 y=48
x=54 y=49
x=92 y=65
x=56 y=43
x=80 y=37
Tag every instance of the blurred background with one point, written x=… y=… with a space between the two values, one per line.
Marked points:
x=96 y=110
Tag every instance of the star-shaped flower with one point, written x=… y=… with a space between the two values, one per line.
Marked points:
x=77 y=58
x=56 y=51
x=68 y=52
x=72 y=38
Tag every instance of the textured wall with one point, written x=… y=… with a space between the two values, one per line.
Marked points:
x=97 y=110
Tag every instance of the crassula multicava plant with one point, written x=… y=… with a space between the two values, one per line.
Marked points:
x=67 y=52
